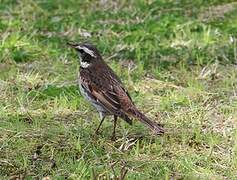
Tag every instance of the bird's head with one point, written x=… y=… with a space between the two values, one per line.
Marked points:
x=88 y=53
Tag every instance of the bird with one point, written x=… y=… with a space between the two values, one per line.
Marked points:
x=99 y=85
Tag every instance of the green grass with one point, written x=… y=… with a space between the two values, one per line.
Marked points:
x=176 y=58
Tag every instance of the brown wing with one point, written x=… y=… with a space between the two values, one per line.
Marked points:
x=113 y=77
x=103 y=91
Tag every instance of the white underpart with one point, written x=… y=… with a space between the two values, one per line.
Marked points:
x=88 y=51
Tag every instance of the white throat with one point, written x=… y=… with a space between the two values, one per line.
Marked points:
x=84 y=64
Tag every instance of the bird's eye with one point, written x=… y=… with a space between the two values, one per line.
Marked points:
x=81 y=51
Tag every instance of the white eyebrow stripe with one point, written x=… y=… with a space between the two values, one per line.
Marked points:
x=88 y=51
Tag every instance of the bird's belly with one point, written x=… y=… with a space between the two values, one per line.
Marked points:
x=88 y=97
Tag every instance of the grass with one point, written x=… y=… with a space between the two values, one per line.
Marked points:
x=176 y=58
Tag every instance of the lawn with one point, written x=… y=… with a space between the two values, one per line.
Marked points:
x=178 y=60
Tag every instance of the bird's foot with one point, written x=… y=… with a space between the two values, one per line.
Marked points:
x=97 y=132
x=113 y=137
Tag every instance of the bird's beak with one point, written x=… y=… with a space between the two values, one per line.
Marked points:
x=72 y=45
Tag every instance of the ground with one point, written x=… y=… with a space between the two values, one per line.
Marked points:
x=177 y=59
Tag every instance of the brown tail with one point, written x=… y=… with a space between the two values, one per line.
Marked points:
x=151 y=124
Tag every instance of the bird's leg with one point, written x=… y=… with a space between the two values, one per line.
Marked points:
x=102 y=120
x=115 y=122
